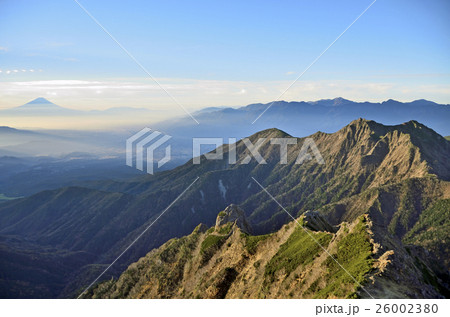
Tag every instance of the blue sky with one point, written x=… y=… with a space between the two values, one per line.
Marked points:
x=210 y=53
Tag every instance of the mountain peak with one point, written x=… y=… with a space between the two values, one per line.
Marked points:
x=339 y=100
x=391 y=102
x=414 y=124
x=39 y=100
x=412 y=127
x=235 y=215
x=270 y=133
x=423 y=102
x=416 y=127
x=42 y=106
x=361 y=122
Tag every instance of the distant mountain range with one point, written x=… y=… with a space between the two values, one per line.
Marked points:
x=396 y=177
x=305 y=118
x=297 y=118
x=41 y=107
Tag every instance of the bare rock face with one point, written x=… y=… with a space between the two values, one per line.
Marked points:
x=315 y=221
x=233 y=214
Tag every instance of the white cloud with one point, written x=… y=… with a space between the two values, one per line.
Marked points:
x=3 y=49
x=290 y=73
x=15 y=71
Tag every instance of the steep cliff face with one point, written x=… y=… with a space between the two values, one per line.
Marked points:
x=233 y=214
x=294 y=262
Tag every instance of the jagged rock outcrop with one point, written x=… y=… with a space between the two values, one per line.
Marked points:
x=293 y=262
x=315 y=221
x=233 y=214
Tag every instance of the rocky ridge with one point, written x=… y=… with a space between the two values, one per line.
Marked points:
x=294 y=262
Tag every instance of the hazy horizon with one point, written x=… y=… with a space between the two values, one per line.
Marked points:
x=114 y=118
